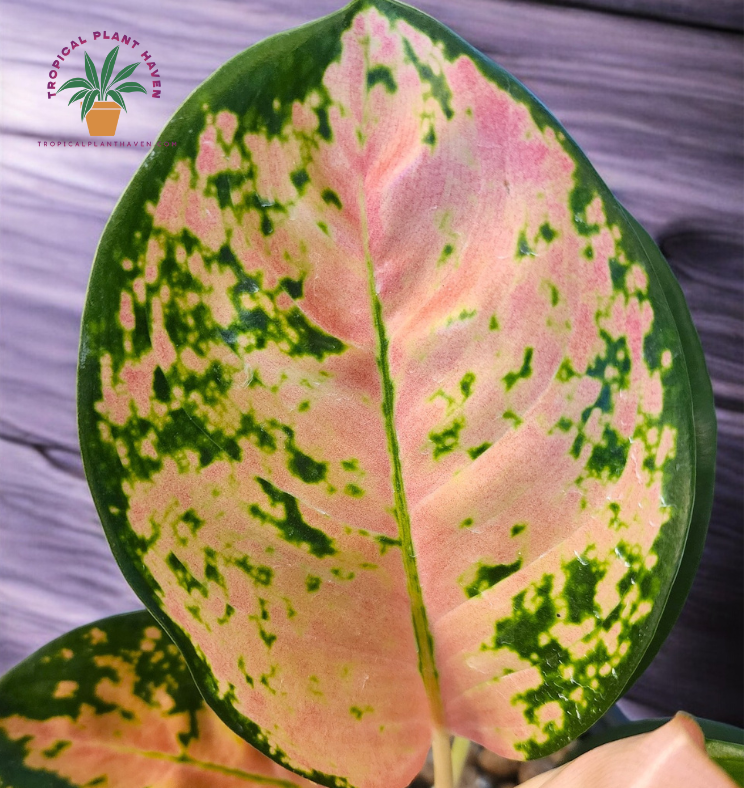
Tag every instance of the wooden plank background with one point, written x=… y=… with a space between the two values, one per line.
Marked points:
x=651 y=89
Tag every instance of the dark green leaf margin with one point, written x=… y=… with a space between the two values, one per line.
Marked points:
x=704 y=416
x=305 y=53
x=28 y=689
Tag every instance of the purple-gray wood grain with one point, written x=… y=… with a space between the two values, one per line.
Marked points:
x=714 y=14
x=656 y=105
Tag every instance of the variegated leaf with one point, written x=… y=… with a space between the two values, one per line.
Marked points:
x=113 y=704
x=386 y=404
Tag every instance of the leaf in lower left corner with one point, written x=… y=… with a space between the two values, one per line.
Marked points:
x=113 y=703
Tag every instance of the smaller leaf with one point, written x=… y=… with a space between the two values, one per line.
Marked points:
x=127 y=71
x=108 y=68
x=117 y=97
x=113 y=703
x=131 y=87
x=90 y=71
x=88 y=102
x=723 y=743
x=676 y=754
x=77 y=96
x=76 y=82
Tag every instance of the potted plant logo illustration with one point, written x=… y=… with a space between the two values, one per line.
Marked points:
x=101 y=115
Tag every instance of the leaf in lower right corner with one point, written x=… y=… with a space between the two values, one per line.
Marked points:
x=723 y=743
x=668 y=754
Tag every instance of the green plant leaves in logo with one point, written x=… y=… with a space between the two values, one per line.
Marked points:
x=88 y=102
x=108 y=68
x=90 y=72
x=76 y=82
x=118 y=98
x=131 y=87
x=125 y=87
x=102 y=89
x=77 y=96
x=386 y=404
x=127 y=71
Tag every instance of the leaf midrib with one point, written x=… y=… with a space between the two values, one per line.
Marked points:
x=187 y=760
x=422 y=634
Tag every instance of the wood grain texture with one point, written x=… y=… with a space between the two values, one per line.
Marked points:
x=656 y=106
x=717 y=14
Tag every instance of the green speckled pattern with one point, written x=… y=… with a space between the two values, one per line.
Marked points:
x=113 y=704
x=385 y=404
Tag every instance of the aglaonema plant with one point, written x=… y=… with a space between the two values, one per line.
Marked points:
x=113 y=704
x=94 y=88
x=395 y=419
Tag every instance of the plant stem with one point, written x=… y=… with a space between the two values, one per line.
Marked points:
x=440 y=747
x=460 y=750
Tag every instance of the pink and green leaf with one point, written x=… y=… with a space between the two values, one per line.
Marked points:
x=394 y=418
x=113 y=703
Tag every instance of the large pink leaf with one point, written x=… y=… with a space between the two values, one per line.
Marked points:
x=383 y=405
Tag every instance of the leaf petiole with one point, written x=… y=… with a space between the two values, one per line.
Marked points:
x=460 y=750
x=440 y=747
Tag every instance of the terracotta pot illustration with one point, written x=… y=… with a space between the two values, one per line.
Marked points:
x=102 y=118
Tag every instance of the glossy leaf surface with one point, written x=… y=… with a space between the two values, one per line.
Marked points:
x=723 y=743
x=385 y=404
x=671 y=754
x=113 y=704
